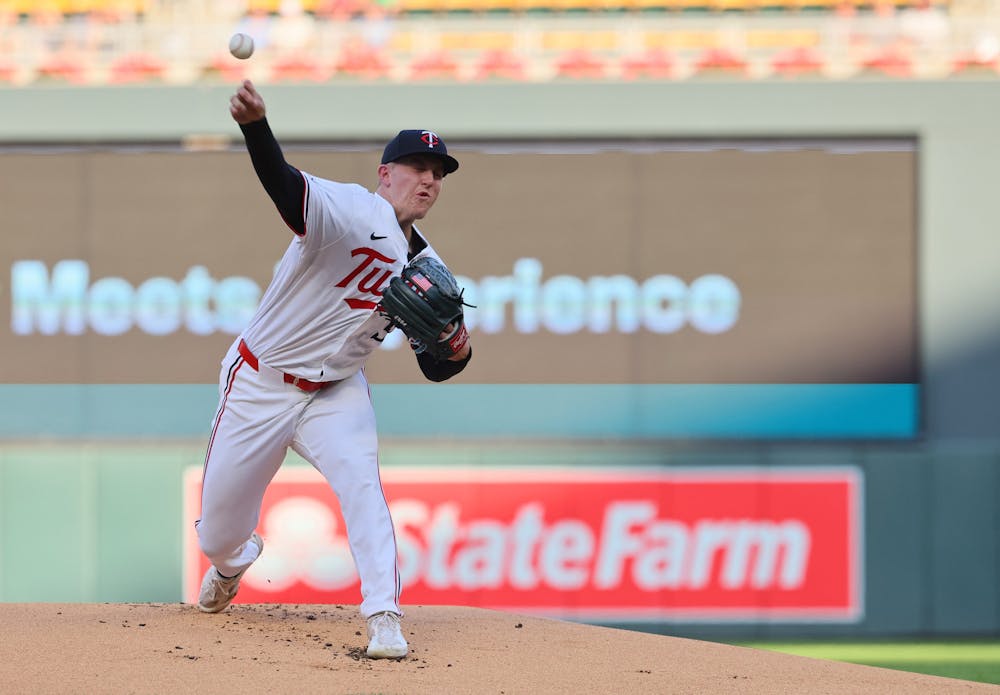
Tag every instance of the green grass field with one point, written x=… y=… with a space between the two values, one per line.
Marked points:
x=967 y=660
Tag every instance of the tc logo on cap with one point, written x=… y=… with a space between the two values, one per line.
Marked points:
x=416 y=142
x=430 y=138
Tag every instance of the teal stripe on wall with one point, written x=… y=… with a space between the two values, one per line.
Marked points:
x=727 y=411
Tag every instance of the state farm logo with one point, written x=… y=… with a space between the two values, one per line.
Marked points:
x=638 y=544
x=303 y=545
x=633 y=546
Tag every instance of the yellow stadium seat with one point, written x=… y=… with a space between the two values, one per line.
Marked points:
x=532 y=5
x=257 y=6
x=419 y=6
x=733 y=5
x=580 y=40
x=783 y=38
x=498 y=6
x=680 y=40
x=477 y=41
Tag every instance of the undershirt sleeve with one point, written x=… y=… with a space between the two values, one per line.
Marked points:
x=443 y=370
x=284 y=183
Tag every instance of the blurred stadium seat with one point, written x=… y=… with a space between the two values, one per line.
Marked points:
x=339 y=9
x=720 y=62
x=799 y=61
x=500 y=64
x=889 y=62
x=972 y=65
x=436 y=65
x=298 y=67
x=72 y=7
x=8 y=72
x=266 y=6
x=733 y=5
x=652 y=63
x=224 y=67
x=359 y=59
x=62 y=67
x=580 y=64
x=137 y=67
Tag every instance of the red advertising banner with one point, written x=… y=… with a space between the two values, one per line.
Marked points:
x=633 y=544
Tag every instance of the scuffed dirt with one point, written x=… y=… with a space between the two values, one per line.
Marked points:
x=267 y=648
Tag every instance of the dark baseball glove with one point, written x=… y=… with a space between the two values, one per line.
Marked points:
x=426 y=304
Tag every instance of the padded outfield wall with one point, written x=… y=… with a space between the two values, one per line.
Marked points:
x=735 y=281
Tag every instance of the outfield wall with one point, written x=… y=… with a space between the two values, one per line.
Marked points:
x=74 y=497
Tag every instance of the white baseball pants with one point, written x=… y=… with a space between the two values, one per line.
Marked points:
x=258 y=418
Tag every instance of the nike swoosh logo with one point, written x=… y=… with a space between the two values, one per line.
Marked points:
x=376 y=238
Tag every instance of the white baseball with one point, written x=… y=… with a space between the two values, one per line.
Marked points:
x=241 y=45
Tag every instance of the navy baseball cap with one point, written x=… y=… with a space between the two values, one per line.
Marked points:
x=409 y=142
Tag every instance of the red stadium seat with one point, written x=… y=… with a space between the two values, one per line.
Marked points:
x=797 y=62
x=581 y=64
x=653 y=63
x=225 y=67
x=972 y=65
x=359 y=59
x=8 y=72
x=63 y=66
x=502 y=64
x=341 y=9
x=137 y=67
x=720 y=61
x=435 y=65
x=298 y=68
x=890 y=62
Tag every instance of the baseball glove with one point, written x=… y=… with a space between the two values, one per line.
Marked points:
x=426 y=304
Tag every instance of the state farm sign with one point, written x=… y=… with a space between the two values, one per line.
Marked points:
x=719 y=544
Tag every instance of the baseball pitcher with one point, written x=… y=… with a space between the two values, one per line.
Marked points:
x=357 y=267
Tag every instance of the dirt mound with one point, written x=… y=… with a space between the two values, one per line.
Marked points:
x=267 y=648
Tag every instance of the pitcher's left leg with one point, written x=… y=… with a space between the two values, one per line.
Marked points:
x=336 y=433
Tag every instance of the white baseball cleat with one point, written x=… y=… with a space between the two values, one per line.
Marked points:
x=385 y=638
x=217 y=592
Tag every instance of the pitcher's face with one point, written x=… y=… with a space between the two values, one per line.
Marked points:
x=412 y=184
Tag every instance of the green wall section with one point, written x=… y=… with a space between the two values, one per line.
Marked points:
x=82 y=522
x=91 y=523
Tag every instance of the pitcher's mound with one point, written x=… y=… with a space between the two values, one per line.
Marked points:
x=267 y=648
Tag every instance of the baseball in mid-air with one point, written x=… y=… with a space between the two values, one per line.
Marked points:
x=241 y=45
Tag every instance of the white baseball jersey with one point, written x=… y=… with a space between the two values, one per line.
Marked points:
x=316 y=318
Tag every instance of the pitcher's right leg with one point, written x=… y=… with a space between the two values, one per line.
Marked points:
x=250 y=436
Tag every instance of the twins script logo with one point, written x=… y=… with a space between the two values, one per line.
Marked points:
x=371 y=283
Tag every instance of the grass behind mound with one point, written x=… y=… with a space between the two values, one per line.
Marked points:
x=968 y=660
